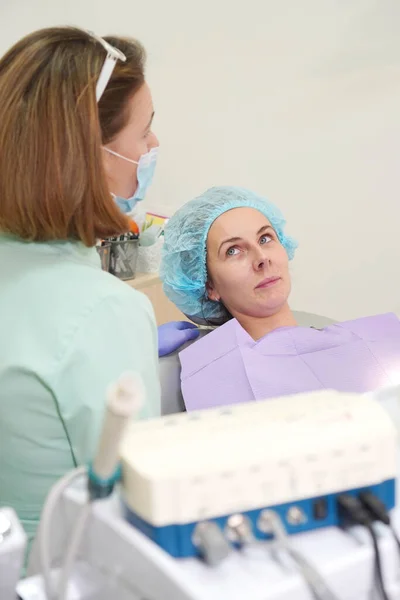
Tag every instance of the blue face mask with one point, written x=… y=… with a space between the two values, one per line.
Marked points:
x=144 y=175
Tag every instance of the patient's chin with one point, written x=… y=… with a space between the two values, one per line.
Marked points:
x=260 y=306
x=272 y=305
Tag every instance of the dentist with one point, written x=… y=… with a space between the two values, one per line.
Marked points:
x=130 y=161
x=75 y=128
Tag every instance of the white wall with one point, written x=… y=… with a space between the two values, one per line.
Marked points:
x=297 y=99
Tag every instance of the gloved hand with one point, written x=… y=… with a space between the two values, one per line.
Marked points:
x=173 y=335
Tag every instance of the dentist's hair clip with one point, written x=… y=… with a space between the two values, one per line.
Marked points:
x=113 y=54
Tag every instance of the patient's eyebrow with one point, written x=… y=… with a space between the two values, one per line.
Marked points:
x=233 y=240
x=229 y=241
x=264 y=228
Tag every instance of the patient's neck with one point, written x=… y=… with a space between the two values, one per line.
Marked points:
x=258 y=327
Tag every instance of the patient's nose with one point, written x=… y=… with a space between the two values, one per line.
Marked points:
x=260 y=260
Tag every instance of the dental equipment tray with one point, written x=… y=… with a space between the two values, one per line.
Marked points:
x=294 y=454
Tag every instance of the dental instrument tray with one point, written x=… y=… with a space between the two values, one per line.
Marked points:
x=293 y=455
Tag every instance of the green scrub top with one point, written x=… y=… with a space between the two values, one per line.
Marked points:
x=67 y=330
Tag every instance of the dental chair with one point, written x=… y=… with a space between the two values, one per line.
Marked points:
x=170 y=368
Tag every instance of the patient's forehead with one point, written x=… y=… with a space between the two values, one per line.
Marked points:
x=241 y=222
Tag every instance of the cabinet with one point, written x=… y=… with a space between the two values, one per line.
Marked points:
x=150 y=284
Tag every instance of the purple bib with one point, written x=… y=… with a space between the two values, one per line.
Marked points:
x=228 y=367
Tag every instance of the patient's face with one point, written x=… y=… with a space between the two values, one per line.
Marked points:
x=247 y=265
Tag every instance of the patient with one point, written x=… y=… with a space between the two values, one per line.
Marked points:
x=226 y=262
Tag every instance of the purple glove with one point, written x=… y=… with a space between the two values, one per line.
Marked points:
x=173 y=335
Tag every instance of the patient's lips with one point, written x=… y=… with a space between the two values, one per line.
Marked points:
x=268 y=282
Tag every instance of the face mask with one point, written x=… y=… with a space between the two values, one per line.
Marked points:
x=144 y=175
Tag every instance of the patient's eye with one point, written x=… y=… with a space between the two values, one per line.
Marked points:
x=264 y=239
x=232 y=251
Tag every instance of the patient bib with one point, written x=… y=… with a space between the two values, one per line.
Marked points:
x=229 y=367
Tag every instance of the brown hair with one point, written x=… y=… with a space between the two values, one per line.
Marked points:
x=53 y=184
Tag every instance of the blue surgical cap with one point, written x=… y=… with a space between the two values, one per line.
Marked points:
x=183 y=267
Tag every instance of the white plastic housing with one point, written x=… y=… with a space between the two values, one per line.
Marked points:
x=191 y=466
